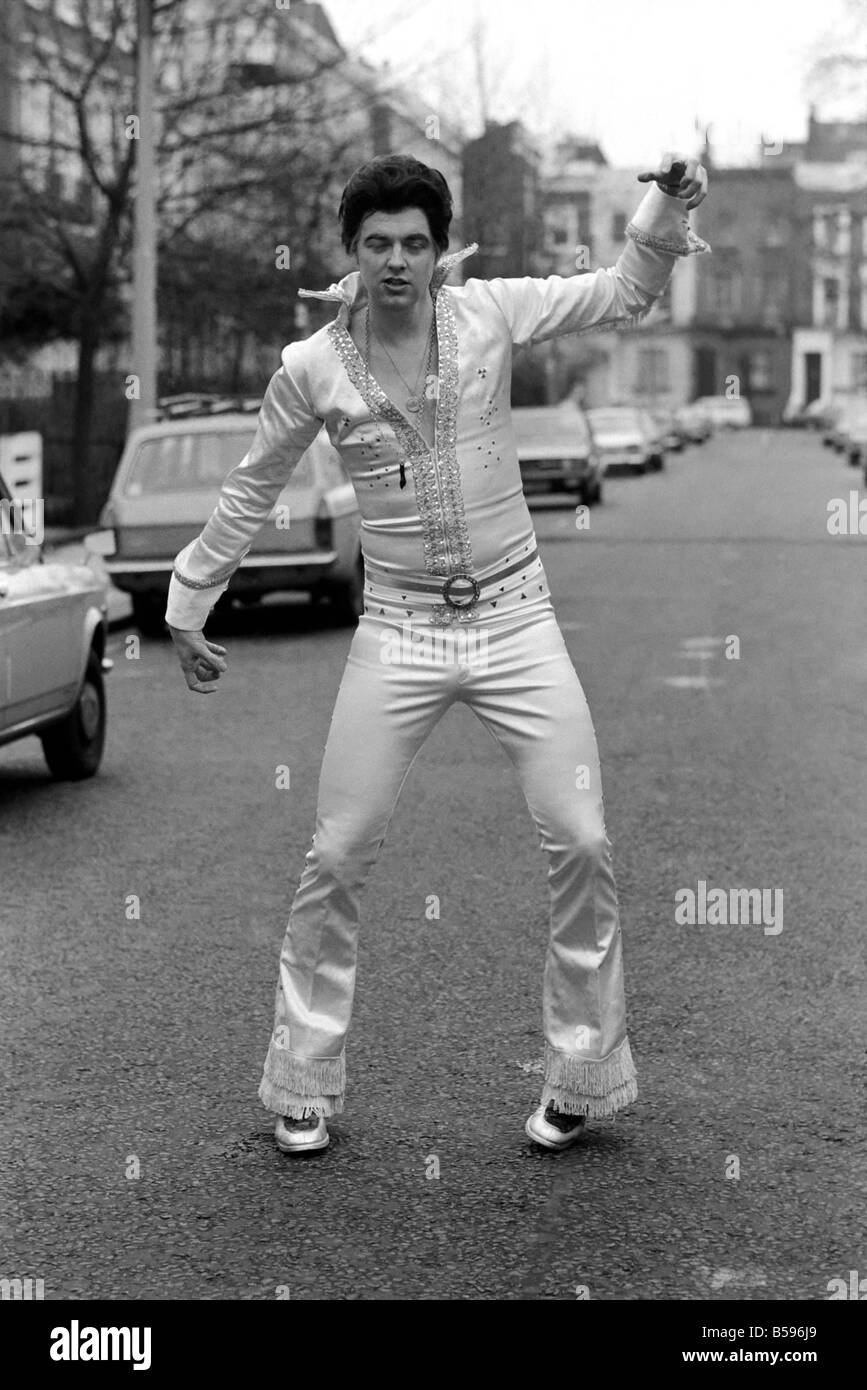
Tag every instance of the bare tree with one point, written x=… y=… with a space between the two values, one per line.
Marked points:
x=837 y=76
x=258 y=113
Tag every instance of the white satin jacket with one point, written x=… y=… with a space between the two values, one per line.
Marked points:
x=462 y=508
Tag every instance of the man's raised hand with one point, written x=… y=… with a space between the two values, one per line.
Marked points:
x=201 y=661
x=679 y=176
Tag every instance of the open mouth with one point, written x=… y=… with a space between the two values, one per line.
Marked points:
x=396 y=284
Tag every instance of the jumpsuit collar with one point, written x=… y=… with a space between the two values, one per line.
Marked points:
x=350 y=292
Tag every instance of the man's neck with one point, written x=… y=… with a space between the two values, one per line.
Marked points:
x=401 y=324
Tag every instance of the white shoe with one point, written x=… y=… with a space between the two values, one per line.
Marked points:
x=553 y=1130
x=305 y=1136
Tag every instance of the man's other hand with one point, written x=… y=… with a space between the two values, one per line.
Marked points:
x=201 y=661
x=687 y=181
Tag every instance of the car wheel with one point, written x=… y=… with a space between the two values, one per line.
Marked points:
x=347 y=597
x=73 y=747
x=149 y=612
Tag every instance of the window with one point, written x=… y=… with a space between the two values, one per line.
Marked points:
x=830 y=301
x=774 y=289
x=726 y=229
x=618 y=226
x=652 y=376
x=185 y=462
x=776 y=232
x=726 y=292
x=831 y=229
x=859 y=371
x=822 y=230
x=760 y=371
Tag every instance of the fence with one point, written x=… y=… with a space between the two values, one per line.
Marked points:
x=53 y=416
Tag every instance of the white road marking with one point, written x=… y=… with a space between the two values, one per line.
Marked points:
x=692 y=682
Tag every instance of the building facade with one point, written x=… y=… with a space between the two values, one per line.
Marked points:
x=746 y=306
x=587 y=206
x=829 y=342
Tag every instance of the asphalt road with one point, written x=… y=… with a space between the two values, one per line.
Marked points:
x=135 y=1158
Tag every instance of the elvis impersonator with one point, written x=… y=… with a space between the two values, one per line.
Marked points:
x=411 y=380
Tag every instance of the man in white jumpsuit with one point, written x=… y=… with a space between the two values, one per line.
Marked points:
x=411 y=380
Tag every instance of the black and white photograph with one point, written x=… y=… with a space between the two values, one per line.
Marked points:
x=433 y=670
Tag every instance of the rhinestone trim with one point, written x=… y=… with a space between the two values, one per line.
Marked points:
x=694 y=244
x=445 y=536
x=454 y=515
x=205 y=583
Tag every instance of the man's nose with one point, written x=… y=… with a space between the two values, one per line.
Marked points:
x=396 y=256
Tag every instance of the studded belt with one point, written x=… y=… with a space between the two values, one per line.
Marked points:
x=461 y=590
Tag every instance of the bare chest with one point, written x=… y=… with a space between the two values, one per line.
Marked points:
x=404 y=373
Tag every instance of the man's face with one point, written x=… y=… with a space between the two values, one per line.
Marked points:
x=396 y=257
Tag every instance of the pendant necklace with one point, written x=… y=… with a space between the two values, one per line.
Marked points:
x=415 y=403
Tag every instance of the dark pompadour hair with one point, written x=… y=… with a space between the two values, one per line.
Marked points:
x=390 y=183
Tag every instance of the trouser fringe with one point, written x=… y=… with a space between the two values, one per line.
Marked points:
x=585 y=1086
x=292 y=1084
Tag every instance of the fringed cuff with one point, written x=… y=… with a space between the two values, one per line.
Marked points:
x=584 y=1086
x=291 y=1084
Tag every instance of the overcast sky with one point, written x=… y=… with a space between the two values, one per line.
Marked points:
x=634 y=73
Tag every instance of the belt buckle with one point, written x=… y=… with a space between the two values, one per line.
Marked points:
x=466 y=600
x=460 y=607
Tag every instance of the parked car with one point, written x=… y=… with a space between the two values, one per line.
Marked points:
x=665 y=419
x=853 y=431
x=166 y=486
x=656 y=434
x=848 y=428
x=53 y=625
x=694 y=422
x=622 y=438
x=557 y=452
x=815 y=415
x=831 y=421
x=727 y=412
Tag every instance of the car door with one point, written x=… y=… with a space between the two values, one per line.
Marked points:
x=40 y=637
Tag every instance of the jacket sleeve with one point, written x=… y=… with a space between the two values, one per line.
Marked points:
x=537 y=309
x=286 y=427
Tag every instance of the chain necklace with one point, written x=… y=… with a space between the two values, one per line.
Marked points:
x=415 y=403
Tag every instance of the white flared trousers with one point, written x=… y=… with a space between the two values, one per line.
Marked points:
x=518 y=678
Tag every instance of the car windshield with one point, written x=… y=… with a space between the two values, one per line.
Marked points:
x=615 y=419
x=549 y=425
x=187 y=462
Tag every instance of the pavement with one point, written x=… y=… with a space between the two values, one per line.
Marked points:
x=144 y=910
